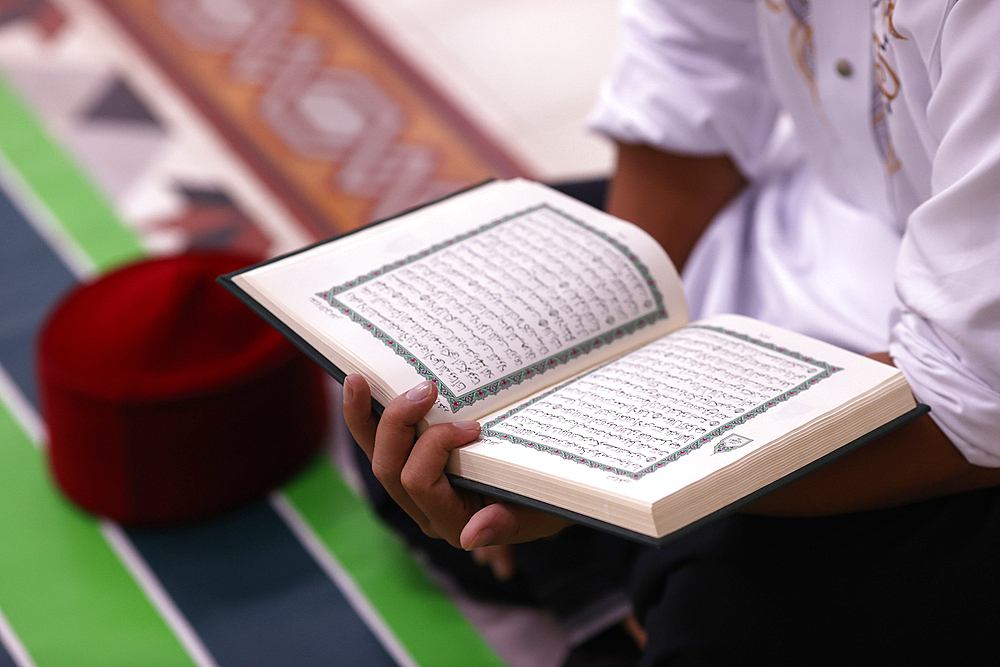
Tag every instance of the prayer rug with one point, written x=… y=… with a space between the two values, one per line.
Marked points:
x=325 y=113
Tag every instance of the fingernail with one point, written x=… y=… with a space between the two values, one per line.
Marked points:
x=348 y=391
x=420 y=392
x=483 y=538
x=467 y=426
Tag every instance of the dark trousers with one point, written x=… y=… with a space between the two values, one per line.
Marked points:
x=916 y=585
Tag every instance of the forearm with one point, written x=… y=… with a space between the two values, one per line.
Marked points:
x=915 y=462
x=673 y=197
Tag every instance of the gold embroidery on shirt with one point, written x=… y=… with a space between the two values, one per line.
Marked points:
x=885 y=81
x=890 y=6
x=887 y=84
x=801 y=45
x=886 y=78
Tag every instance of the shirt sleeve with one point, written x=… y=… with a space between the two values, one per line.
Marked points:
x=689 y=78
x=946 y=337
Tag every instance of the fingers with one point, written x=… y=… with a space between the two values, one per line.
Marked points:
x=505 y=523
x=358 y=412
x=397 y=430
x=411 y=470
x=365 y=426
x=389 y=445
x=423 y=478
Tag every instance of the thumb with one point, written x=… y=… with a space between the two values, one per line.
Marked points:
x=505 y=523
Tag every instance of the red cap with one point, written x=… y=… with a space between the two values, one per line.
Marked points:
x=167 y=400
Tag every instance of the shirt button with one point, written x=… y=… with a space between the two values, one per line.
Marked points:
x=844 y=67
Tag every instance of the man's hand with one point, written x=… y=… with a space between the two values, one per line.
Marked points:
x=412 y=470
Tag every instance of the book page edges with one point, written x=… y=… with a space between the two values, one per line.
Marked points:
x=839 y=430
x=639 y=507
x=640 y=531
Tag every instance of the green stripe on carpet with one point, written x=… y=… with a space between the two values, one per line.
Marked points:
x=425 y=621
x=56 y=180
x=64 y=591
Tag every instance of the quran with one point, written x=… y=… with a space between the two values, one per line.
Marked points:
x=564 y=332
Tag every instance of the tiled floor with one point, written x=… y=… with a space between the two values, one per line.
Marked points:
x=527 y=71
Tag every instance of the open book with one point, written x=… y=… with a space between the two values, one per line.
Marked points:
x=564 y=331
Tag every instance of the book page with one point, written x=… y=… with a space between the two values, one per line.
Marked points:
x=522 y=288
x=677 y=409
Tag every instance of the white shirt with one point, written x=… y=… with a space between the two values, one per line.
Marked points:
x=871 y=134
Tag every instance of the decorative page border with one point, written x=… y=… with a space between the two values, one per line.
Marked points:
x=824 y=370
x=455 y=401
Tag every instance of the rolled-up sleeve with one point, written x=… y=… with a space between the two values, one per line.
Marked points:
x=946 y=337
x=689 y=78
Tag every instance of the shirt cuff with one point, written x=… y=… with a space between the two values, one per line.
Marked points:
x=965 y=408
